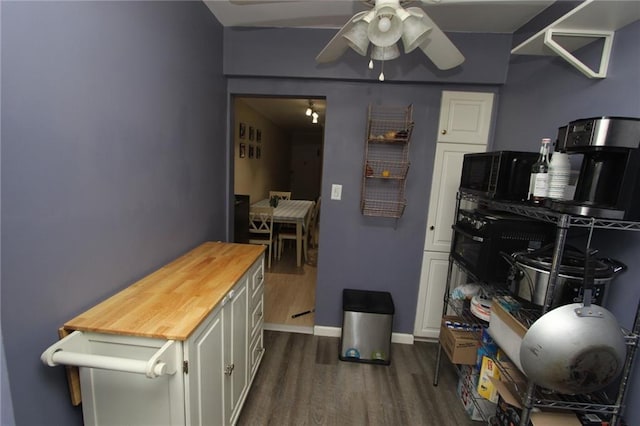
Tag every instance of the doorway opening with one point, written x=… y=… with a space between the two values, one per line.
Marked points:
x=278 y=147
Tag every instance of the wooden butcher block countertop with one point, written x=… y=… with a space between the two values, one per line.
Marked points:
x=171 y=302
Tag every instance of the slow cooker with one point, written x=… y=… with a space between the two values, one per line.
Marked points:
x=529 y=276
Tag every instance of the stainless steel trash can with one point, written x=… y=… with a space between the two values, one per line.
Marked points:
x=366 y=326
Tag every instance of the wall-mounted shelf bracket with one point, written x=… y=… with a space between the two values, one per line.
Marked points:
x=607 y=37
x=588 y=22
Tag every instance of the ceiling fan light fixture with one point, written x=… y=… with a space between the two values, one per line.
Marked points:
x=415 y=33
x=314 y=119
x=357 y=37
x=386 y=29
x=309 y=109
x=385 y=53
x=384 y=24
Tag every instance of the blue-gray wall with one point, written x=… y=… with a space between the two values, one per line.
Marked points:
x=114 y=162
x=544 y=93
x=357 y=251
x=287 y=52
x=114 y=159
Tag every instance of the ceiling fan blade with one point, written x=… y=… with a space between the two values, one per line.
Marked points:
x=251 y=2
x=338 y=44
x=438 y=48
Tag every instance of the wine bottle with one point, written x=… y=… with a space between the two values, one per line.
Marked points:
x=539 y=182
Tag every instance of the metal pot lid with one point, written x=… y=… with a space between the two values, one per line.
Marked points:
x=572 y=264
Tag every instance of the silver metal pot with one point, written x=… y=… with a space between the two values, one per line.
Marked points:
x=576 y=348
x=530 y=276
x=573 y=354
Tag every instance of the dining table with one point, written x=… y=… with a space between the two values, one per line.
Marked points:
x=293 y=212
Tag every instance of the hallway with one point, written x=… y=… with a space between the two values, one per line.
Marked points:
x=290 y=290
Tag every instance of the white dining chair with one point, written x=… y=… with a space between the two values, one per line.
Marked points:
x=284 y=195
x=290 y=234
x=313 y=224
x=261 y=229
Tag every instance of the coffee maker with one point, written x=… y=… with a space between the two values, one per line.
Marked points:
x=608 y=185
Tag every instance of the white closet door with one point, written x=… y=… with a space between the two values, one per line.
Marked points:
x=444 y=187
x=465 y=117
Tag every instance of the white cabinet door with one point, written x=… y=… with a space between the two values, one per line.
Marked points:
x=444 y=187
x=433 y=280
x=237 y=343
x=465 y=117
x=205 y=377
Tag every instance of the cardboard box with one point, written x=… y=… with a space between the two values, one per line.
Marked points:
x=478 y=408
x=460 y=346
x=509 y=410
x=507 y=332
x=509 y=372
x=489 y=370
x=592 y=419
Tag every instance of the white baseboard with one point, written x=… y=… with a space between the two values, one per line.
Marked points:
x=319 y=330
x=289 y=328
x=403 y=338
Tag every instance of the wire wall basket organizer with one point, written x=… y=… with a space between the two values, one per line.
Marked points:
x=386 y=161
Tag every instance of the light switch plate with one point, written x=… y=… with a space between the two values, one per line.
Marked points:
x=336 y=192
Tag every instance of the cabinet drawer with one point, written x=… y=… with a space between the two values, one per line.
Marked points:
x=257 y=280
x=256 y=351
x=257 y=317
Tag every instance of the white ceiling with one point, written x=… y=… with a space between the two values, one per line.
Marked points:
x=288 y=113
x=485 y=16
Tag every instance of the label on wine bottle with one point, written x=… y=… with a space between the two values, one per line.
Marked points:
x=540 y=185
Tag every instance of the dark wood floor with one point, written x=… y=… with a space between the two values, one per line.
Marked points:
x=302 y=382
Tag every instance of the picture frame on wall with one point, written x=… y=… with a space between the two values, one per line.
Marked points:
x=258 y=135
x=251 y=133
x=251 y=151
x=242 y=130
x=258 y=152
x=243 y=150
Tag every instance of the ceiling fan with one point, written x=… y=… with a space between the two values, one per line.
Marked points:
x=384 y=26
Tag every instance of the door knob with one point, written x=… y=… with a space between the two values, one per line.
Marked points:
x=432 y=228
x=228 y=369
x=444 y=132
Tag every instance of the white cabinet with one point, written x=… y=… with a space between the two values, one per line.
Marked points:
x=465 y=120
x=217 y=362
x=235 y=354
x=465 y=117
x=203 y=380
x=205 y=373
x=256 y=320
x=221 y=366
